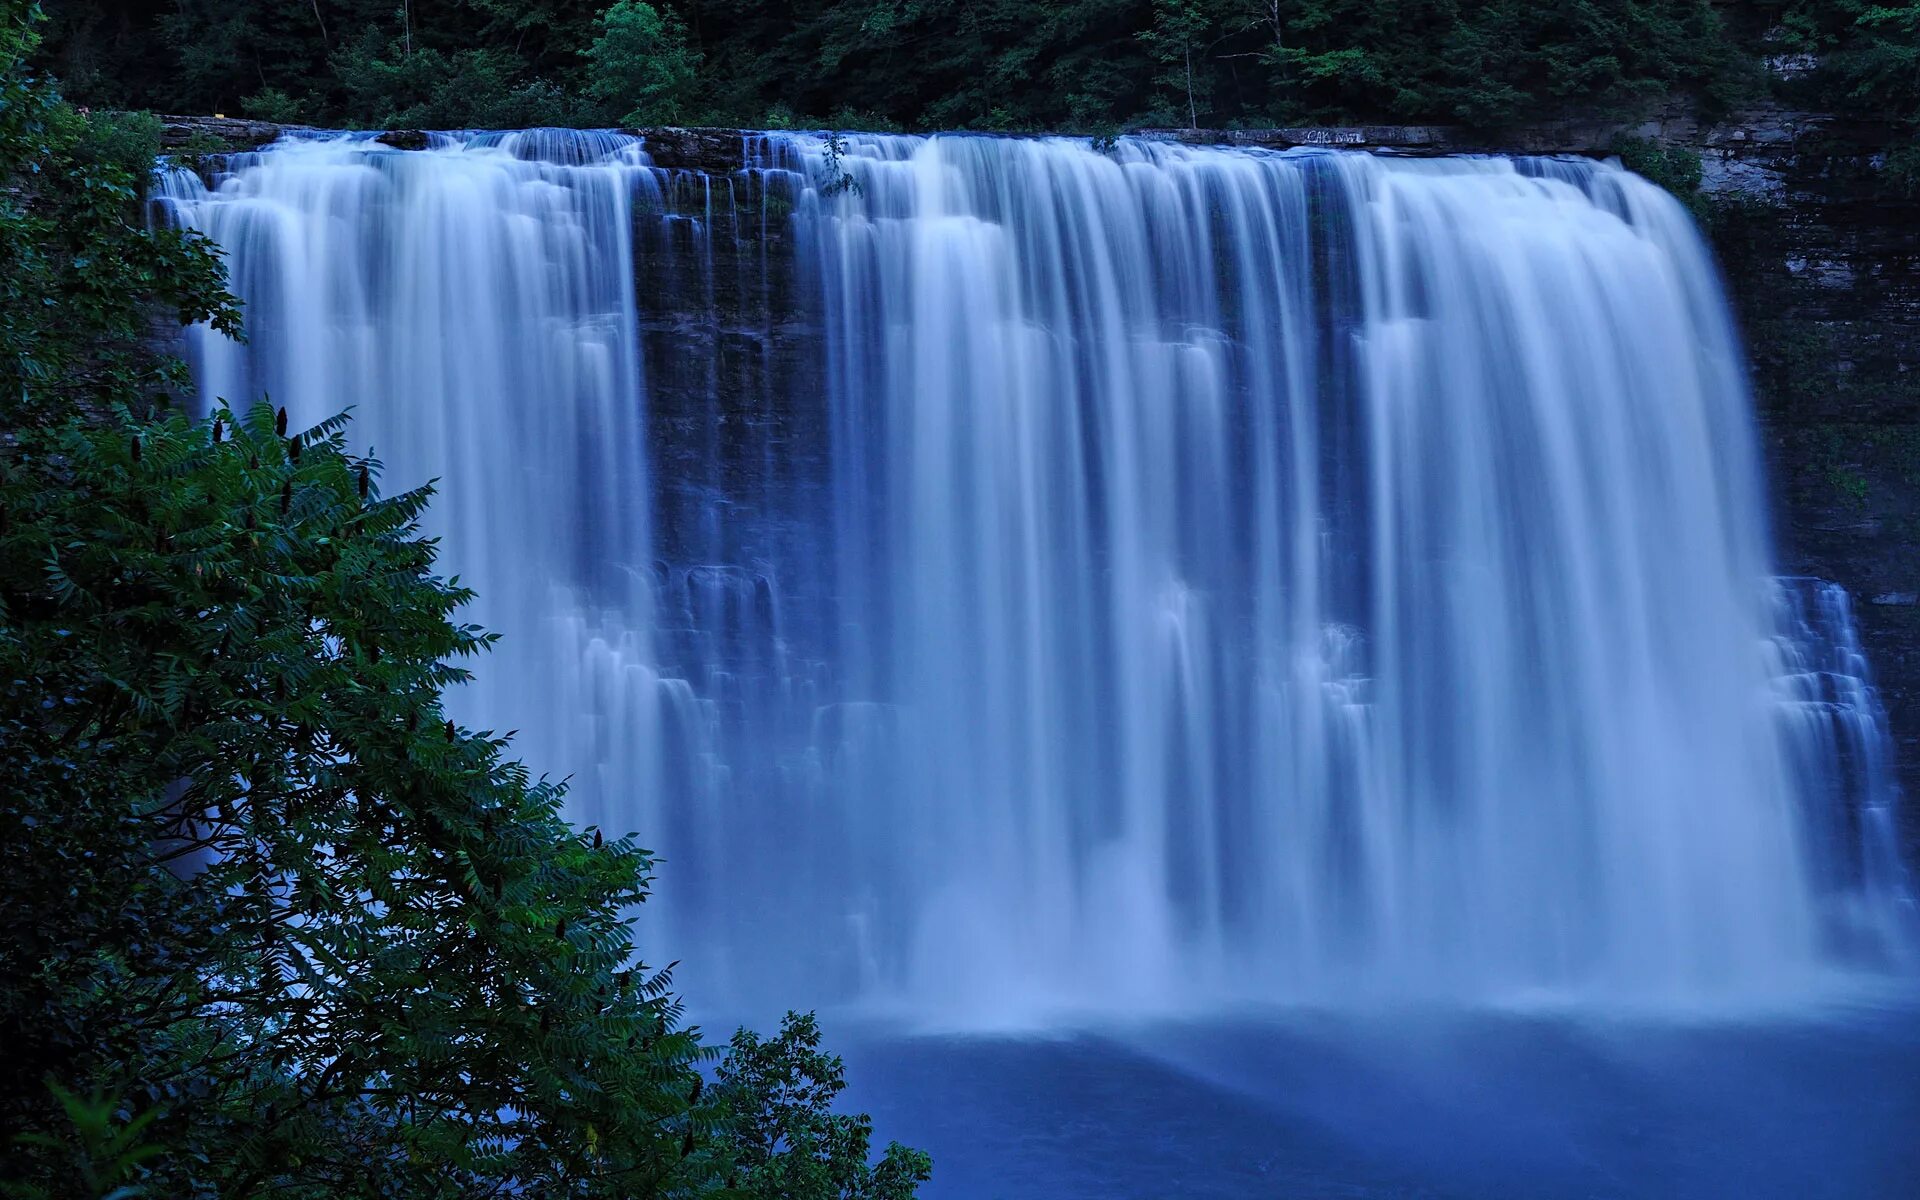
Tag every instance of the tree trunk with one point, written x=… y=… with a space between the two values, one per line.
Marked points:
x=1193 y=112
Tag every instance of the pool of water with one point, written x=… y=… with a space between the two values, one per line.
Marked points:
x=1481 y=1106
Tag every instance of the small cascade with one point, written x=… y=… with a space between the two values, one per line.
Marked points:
x=1842 y=756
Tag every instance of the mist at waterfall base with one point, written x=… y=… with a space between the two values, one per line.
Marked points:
x=1230 y=673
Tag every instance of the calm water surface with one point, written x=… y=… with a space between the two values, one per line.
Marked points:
x=1458 y=1106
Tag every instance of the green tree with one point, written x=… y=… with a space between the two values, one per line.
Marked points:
x=263 y=873
x=1498 y=61
x=80 y=286
x=548 y=36
x=1001 y=64
x=1882 y=69
x=388 y=86
x=641 y=67
x=1179 y=40
x=1864 y=60
x=293 y=929
x=790 y=1141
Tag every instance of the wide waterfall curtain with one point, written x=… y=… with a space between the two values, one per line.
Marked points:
x=1149 y=576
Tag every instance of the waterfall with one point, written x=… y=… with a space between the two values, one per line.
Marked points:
x=473 y=306
x=1001 y=575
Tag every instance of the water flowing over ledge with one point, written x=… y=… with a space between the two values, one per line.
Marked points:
x=1202 y=575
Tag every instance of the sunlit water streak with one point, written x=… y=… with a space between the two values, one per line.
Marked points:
x=1240 y=576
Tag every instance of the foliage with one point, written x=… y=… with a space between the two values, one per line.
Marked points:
x=99 y=1159
x=1506 y=59
x=837 y=179
x=272 y=104
x=1177 y=36
x=641 y=66
x=1866 y=54
x=1859 y=57
x=259 y=871
x=791 y=1142
x=1079 y=63
x=288 y=926
x=67 y=249
x=1675 y=168
x=1090 y=65
x=254 y=868
x=432 y=89
x=225 y=50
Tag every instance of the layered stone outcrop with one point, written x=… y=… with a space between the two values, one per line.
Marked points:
x=1821 y=254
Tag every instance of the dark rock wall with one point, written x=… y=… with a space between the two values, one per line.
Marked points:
x=1822 y=261
x=735 y=358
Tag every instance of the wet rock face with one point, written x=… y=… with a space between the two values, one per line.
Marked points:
x=735 y=358
x=1822 y=262
x=405 y=139
x=712 y=151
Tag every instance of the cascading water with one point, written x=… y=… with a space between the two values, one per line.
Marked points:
x=1200 y=575
x=474 y=307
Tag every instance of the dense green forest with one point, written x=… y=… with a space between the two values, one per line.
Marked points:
x=274 y=923
x=1091 y=65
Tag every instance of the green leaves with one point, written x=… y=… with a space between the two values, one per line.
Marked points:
x=82 y=279
x=98 y=1156
x=980 y=64
x=256 y=868
x=641 y=65
x=312 y=936
x=779 y=1092
x=250 y=698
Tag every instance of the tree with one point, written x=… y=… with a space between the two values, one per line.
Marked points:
x=390 y=87
x=791 y=1142
x=274 y=922
x=1177 y=38
x=1863 y=58
x=979 y=64
x=1883 y=71
x=641 y=66
x=255 y=869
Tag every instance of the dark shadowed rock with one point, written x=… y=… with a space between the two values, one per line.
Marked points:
x=1419 y=139
x=225 y=133
x=718 y=151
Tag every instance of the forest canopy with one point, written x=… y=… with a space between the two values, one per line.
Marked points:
x=1080 y=65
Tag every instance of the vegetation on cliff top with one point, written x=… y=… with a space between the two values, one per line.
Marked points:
x=274 y=923
x=981 y=64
